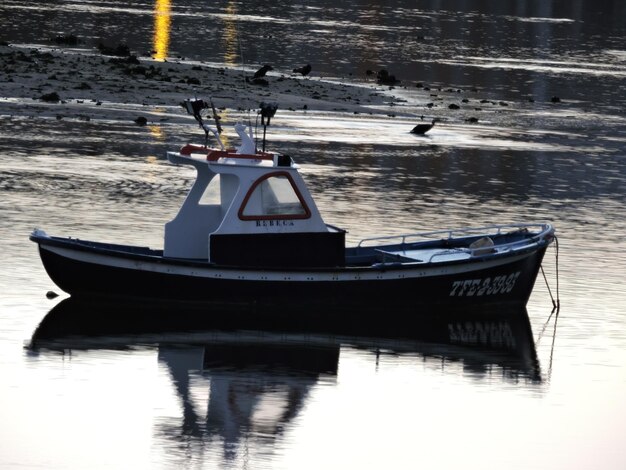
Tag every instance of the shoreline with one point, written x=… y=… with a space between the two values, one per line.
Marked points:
x=88 y=83
x=68 y=83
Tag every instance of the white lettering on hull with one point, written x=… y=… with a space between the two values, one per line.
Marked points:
x=487 y=286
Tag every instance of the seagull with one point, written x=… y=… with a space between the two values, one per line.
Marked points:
x=262 y=71
x=423 y=128
x=305 y=70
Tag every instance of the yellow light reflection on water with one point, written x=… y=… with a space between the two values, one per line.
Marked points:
x=156 y=132
x=162 y=26
x=230 y=34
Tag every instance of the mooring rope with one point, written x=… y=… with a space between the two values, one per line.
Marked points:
x=555 y=303
x=556 y=246
x=555 y=310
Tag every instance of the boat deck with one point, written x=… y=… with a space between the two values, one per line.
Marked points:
x=430 y=255
x=448 y=246
x=424 y=255
x=381 y=253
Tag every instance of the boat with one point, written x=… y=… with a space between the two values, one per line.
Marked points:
x=261 y=243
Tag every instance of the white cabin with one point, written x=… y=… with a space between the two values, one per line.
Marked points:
x=249 y=209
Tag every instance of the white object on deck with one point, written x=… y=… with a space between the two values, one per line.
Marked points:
x=247 y=146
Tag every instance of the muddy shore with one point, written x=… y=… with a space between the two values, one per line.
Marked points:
x=87 y=84
x=90 y=83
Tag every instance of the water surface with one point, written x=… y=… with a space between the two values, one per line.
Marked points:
x=85 y=386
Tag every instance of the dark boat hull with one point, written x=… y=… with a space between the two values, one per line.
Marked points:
x=80 y=270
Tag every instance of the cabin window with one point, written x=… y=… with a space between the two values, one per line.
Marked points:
x=211 y=195
x=274 y=196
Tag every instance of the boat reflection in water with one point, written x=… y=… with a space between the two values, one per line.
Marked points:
x=255 y=388
x=259 y=379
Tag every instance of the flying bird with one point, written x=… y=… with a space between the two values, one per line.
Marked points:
x=422 y=129
x=305 y=70
x=262 y=71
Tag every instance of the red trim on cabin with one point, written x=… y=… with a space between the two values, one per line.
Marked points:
x=191 y=148
x=215 y=155
x=307 y=211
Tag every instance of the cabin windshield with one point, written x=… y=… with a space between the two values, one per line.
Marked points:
x=274 y=196
x=212 y=193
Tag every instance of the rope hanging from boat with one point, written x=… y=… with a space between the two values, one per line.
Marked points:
x=555 y=304
x=556 y=307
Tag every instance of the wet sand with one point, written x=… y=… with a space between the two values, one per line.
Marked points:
x=85 y=84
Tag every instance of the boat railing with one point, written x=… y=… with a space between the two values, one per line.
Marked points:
x=543 y=231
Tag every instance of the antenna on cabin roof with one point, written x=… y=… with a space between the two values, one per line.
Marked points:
x=268 y=110
x=195 y=107
x=216 y=117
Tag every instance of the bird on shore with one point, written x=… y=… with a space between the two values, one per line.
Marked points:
x=262 y=71
x=383 y=77
x=304 y=70
x=257 y=81
x=422 y=129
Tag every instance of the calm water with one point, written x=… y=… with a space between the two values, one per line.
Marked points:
x=118 y=386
